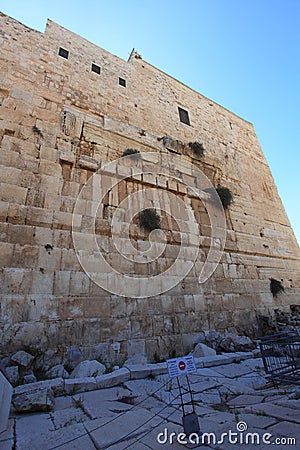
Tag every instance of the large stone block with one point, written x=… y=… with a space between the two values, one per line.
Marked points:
x=5 y=401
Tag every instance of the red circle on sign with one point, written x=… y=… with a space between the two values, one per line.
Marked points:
x=181 y=365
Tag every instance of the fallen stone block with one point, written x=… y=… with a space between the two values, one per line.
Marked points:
x=57 y=386
x=113 y=379
x=239 y=356
x=88 y=369
x=29 y=378
x=57 y=372
x=23 y=359
x=138 y=371
x=203 y=350
x=211 y=361
x=12 y=374
x=75 y=385
x=40 y=399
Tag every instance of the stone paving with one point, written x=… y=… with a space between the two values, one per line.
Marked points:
x=134 y=414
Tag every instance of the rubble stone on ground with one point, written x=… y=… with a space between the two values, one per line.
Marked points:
x=88 y=369
x=23 y=359
x=40 y=399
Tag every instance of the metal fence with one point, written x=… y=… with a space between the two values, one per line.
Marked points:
x=281 y=357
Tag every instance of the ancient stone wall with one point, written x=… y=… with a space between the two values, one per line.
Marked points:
x=59 y=123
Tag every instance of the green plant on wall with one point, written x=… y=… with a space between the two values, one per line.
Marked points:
x=132 y=152
x=149 y=220
x=197 y=148
x=276 y=287
x=225 y=195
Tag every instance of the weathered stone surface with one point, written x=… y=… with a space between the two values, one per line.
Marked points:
x=228 y=342
x=136 y=360
x=74 y=385
x=5 y=399
x=203 y=350
x=279 y=412
x=143 y=370
x=113 y=379
x=54 y=137
x=57 y=372
x=23 y=359
x=12 y=373
x=29 y=378
x=133 y=423
x=57 y=386
x=88 y=369
x=41 y=399
x=132 y=413
x=74 y=356
x=7 y=436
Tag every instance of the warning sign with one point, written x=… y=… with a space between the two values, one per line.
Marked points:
x=181 y=366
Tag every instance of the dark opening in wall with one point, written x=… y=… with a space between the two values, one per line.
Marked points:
x=63 y=53
x=184 y=116
x=122 y=82
x=96 y=68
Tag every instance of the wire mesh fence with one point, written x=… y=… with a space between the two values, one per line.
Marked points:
x=281 y=356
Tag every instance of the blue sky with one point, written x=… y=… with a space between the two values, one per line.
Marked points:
x=243 y=54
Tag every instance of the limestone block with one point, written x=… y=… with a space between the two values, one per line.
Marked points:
x=87 y=162
x=12 y=373
x=75 y=385
x=40 y=399
x=23 y=359
x=68 y=156
x=49 y=260
x=21 y=94
x=49 y=168
x=88 y=369
x=42 y=282
x=12 y=194
x=6 y=251
x=29 y=378
x=56 y=385
x=39 y=216
x=79 y=283
x=61 y=282
x=203 y=350
x=115 y=378
x=57 y=372
x=5 y=399
x=50 y=184
x=3 y=211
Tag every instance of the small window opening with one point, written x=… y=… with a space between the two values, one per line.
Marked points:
x=63 y=53
x=96 y=68
x=183 y=116
x=122 y=82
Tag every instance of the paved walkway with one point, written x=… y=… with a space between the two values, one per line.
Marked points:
x=142 y=414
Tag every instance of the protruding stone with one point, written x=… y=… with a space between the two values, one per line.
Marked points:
x=23 y=359
x=29 y=378
x=12 y=373
x=88 y=369
x=57 y=372
x=203 y=350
